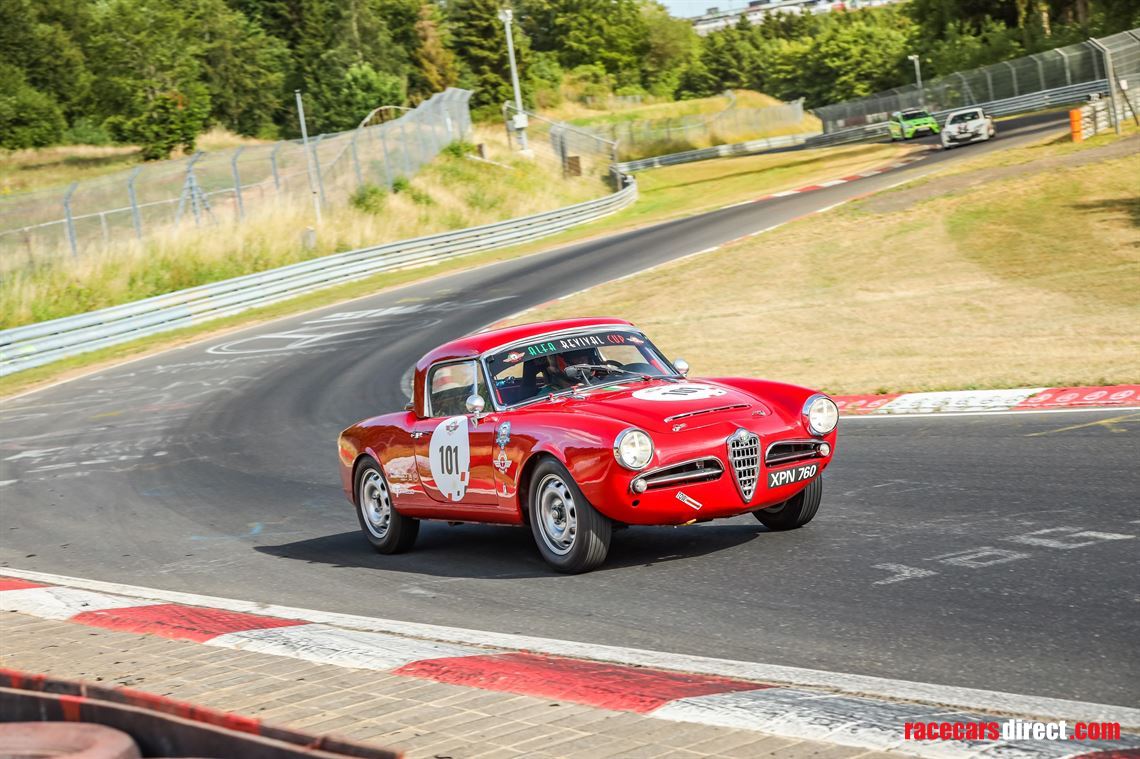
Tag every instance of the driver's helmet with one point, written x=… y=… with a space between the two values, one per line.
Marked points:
x=555 y=368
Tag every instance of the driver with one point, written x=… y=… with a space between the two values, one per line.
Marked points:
x=554 y=369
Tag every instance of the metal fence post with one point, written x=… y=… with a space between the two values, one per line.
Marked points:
x=989 y=82
x=404 y=148
x=317 y=165
x=318 y=195
x=1040 y=71
x=1065 y=61
x=237 y=183
x=1110 y=75
x=387 y=162
x=136 y=218
x=356 y=160
x=273 y=166
x=1013 y=73
x=70 y=221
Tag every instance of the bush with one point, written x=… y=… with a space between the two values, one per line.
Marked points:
x=369 y=198
x=458 y=149
x=401 y=184
x=28 y=118
x=85 y=131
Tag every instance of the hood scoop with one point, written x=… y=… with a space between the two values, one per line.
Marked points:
x=699 y=412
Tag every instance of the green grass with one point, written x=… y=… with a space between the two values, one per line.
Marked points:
x=1000 y=280
x=663 y=196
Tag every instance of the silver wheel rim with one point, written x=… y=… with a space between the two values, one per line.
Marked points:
x=557 y=515
x=375 y=504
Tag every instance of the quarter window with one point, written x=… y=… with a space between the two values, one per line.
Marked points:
x=449 y=386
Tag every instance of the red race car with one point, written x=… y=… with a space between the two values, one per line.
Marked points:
x=574 y=427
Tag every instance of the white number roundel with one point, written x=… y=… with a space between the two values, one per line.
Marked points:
x=688 y=391
x=450 y=457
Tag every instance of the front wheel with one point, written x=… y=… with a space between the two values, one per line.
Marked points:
x=571 y=535
x=794 y=512
x=387 y=530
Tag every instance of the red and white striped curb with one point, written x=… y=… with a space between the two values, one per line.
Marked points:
x=719 y=695
x=843 y=180
x=1017 y=399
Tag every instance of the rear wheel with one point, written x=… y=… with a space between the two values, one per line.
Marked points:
x=794 y=512
x=570 y=533
x=387 y=530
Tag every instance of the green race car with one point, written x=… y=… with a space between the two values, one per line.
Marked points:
x=905 y=125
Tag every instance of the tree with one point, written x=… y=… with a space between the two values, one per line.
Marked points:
x=670 y=46
x=480 y=43
x=436 y=68
x=28 y=118
x=243 y=68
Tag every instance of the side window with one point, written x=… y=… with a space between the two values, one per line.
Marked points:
x=450 y=384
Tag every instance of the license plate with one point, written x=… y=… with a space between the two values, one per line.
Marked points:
x=792 y=476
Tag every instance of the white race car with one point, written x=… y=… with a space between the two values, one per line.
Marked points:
x=966 y=125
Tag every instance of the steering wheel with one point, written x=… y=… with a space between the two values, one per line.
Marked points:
x=613 y=362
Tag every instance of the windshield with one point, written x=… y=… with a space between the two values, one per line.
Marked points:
x=544 y=366
x=962 y=118
x=914 y=115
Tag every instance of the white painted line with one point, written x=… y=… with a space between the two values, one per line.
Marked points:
x=784 y=193
x=825 y=209
x=960 y=400
x=1012 y=412
x=943 y=695
x=7 y=482
x=343 y=648
x=61 y=602
x=833 y=182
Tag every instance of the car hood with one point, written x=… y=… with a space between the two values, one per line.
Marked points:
x=661 y=405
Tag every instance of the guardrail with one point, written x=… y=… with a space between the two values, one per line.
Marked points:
x=38 y=344
x=717 y=151
x=1035 y=101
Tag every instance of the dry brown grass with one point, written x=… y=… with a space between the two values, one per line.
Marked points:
x=1029 y=280
x=451 y=193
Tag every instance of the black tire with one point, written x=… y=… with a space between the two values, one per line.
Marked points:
x=387 y=530
x=794 y=512
x=570 y=533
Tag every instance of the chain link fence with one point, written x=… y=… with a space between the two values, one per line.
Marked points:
x=1065 y=68
x=226 y=186
x=578 y=151
x=1122 y=69
x=724 y=126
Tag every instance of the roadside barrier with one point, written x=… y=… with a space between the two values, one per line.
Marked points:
x=1036 y=101
x=717 y=151
x=38 y=344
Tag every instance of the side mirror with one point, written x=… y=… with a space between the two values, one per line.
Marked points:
x=682 y=367
x=475 y=404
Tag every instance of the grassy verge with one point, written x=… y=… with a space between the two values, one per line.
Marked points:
x=57 y=167
x=453 y=192
x=664 y=195
x=1027 y=279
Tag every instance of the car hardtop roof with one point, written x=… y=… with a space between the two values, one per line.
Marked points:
x=473 y=346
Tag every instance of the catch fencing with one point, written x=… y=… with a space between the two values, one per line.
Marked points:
x=635 y=137
x=579 y=151
x=225 y=186
x=38 y=344
x=1056 y=77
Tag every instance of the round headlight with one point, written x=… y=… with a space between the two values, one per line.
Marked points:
x=820 y=414
x=633 y=448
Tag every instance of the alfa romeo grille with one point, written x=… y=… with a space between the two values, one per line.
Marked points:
x=744 y=454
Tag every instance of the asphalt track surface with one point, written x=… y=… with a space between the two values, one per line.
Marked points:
x=994 y=551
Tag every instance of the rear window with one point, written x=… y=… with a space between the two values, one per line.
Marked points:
x=962 y=118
